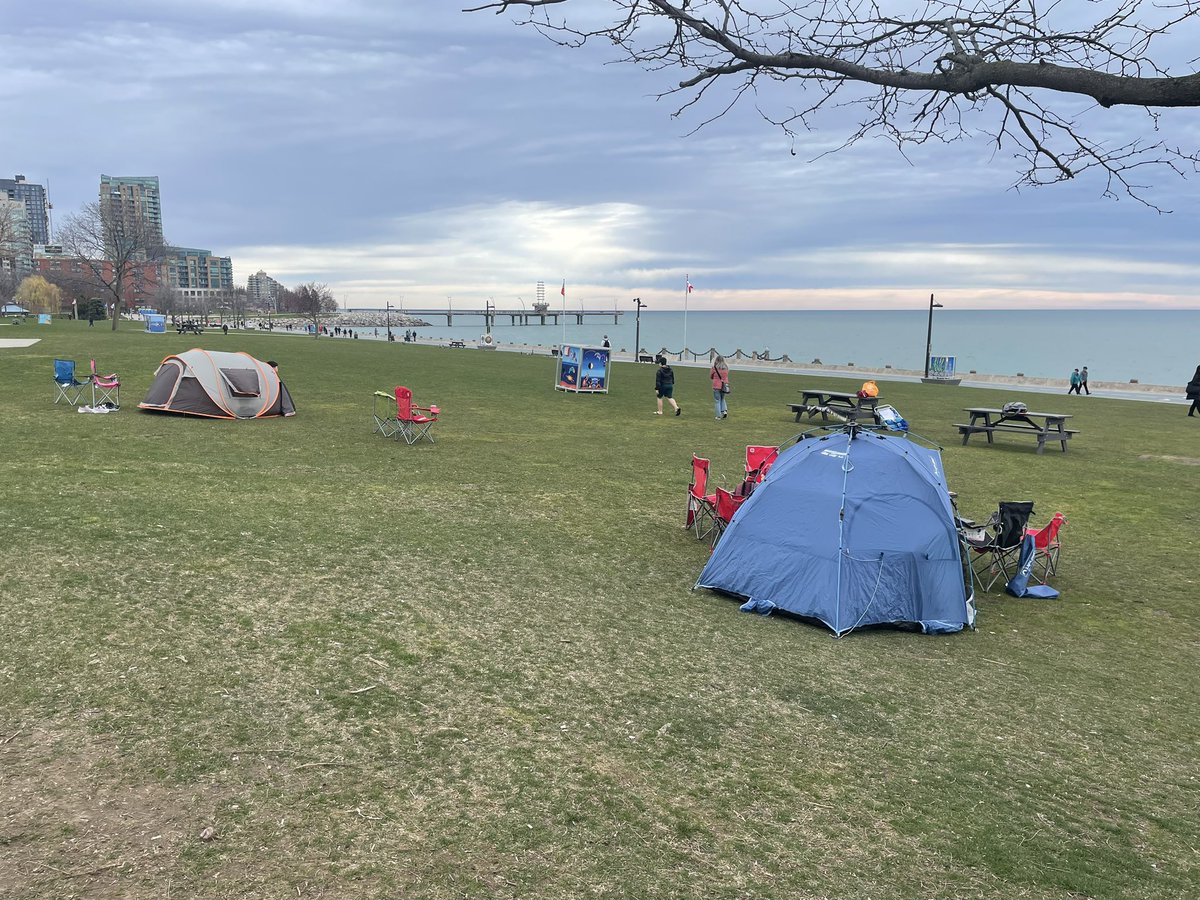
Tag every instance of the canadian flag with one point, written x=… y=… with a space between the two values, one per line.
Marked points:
x=689 y=285
x=564 y=289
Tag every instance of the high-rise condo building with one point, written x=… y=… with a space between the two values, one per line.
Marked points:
x=16 y=248
x=263 y=291
x=36 y=207
x=197 y=273
x=134 y=201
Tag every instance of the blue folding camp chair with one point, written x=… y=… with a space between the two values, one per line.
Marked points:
x=70 y=388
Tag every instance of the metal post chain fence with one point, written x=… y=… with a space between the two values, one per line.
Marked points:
x=712 y=352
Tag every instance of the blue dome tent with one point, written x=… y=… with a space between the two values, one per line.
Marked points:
x=853 y=529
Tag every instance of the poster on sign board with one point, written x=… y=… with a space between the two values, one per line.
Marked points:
x=582 y=370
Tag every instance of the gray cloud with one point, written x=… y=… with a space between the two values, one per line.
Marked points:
x=430 y=153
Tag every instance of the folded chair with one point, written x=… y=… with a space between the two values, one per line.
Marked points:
x=412 y=423
x=701 y=506
x=70 y=388
x=758 y=461
x=383 y=411
x=105 y=388
x=996 y=546
x=1046 y=547
x=724 y=506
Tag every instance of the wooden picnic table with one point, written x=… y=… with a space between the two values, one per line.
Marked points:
x=1042 y=425
x=846 y=404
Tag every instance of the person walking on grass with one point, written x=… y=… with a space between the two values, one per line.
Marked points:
x=1083 y=381
x=1193 y=392
x=719 y=373
x=1076 y=382
x=664 y=386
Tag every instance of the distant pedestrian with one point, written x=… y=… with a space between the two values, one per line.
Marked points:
x=225 y=328
x=664 y=386
x=1076 y=382
x=719 y=373
x=1083 y=380
x=1193 y=392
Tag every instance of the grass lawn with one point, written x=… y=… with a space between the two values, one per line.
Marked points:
x=477 y=669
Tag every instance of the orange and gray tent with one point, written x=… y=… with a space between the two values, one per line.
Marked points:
x=217 y=385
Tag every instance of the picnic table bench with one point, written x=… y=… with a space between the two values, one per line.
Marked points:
x=462 y=344
x=848 y=405
x=189 y=328
x=1041 y=425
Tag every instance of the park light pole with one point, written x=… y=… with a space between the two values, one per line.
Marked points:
x=387 y=307
x=637 y=333
x=929 y=335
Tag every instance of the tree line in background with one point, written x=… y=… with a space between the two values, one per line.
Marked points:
x=114 y=264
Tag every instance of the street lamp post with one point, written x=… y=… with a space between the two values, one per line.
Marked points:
x=929 y=334
x=637 y=333
x=387 y=309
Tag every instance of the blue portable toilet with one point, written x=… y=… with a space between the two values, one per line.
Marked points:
x=851 y=529
x=156 y=323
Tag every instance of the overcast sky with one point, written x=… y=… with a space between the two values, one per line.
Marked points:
x=410 y=152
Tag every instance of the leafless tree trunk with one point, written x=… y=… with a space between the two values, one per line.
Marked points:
x=99 y=233
x=1019 y=68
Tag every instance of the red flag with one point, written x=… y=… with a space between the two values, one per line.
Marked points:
x=564 y=289
x=689 y=284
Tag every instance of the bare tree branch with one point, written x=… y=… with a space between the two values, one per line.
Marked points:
x=1020 y=71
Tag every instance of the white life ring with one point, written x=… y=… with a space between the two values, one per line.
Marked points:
x=487 y=339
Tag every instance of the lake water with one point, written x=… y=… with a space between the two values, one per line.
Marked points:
x=1152 y=346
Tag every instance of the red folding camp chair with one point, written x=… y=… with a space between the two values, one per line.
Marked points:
x=725 y=505
x=1046 y=547
x=105 y=388
x=758 y=461
x=701 y=506
x=412 y=423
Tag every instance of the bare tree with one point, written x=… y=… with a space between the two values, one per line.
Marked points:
x=111 y=246
x=312 y=301
x=166 y=299
x=1032 y=73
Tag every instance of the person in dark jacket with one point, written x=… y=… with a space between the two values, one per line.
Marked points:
x=1193 y=392
x=664 y=386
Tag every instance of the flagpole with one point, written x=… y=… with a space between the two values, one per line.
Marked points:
x=564 y=314
x=687 y=282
